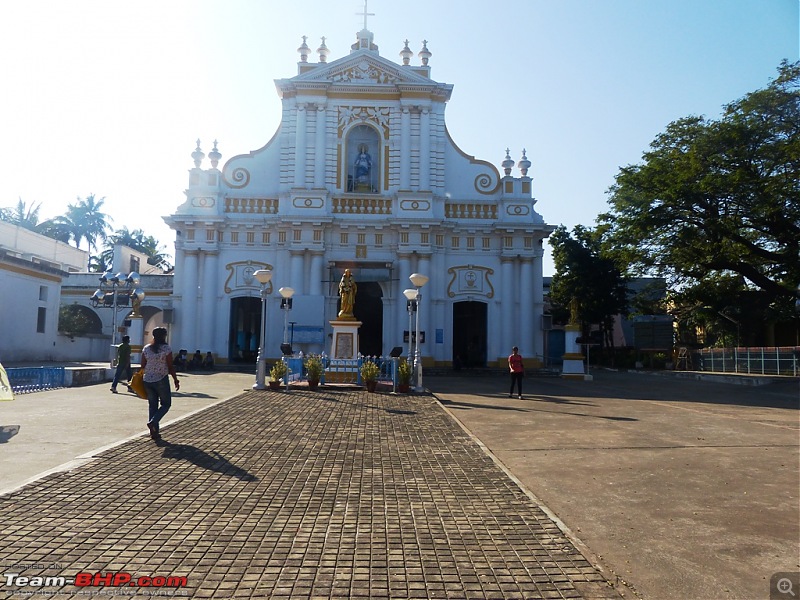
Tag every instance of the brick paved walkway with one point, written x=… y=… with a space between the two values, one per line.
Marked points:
x=328 y=494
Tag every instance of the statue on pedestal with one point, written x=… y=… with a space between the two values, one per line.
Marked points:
x=347 y=293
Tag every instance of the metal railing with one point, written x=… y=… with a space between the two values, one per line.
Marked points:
x=34 y=379
x=749 y=361
x=344 y=370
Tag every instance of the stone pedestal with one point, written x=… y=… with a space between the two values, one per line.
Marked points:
x=136 y=332
x=344 y=351
x=572 y=367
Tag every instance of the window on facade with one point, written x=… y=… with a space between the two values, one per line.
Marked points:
x=297 y=235
x=439 y=239
x=425 y=238
x=234 y=237
x=210 y=235
x=251 y=237
x=455 y=242
x=190 y=235
x=343 y=239
x=487 y=243
x=43 y=293
x=362 y=238
x=41 y=319
x=508 y=241
x=471 y=243
x=265 y=237
x=379 y=239
x=317 y=235
x=281 y=237
x=528 y=243
x=403 y=237
x=134 y=264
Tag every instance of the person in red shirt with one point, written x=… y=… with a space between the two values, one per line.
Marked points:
x=517 y=369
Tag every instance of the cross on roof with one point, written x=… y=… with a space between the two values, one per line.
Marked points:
x=366 y=14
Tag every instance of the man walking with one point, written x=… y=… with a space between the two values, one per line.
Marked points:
x=123 y=363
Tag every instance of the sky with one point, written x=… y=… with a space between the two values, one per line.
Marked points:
x=107 y=97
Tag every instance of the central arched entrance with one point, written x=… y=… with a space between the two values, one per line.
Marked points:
x=469 y=334
x=245 y=327
x=369 y=310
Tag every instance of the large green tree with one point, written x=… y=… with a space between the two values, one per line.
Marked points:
x=584 y=274
x=136 y=239
x=715 y=199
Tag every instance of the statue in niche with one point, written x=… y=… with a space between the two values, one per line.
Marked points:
x=363 y=165
x=347 y=293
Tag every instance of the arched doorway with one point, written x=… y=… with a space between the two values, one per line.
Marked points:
x=369 y=310
x=469 y=334
x=245 y=328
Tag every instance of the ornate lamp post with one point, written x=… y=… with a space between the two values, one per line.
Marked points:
x=264 y=276
x=110 y=298
x=286 y=305
x=418 y=280
x=411 y=305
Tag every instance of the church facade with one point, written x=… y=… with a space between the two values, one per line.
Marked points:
x=361 y=174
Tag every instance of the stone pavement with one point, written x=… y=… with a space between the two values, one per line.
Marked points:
x=328 y=494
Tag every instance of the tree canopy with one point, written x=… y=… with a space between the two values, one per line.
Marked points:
x=714 y=199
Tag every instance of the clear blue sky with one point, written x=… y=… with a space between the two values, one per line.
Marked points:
x=108 y=97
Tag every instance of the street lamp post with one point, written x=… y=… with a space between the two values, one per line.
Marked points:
x=418 y=280
x=110 y=299
x=411 y=305
x=264 y=276
x=286 y=305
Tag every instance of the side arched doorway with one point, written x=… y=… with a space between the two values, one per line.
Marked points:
x=469 y=334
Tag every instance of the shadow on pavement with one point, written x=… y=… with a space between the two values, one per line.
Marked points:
x=212 y=462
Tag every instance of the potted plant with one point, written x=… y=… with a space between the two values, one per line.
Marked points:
x=404 y=371
x=276 y=374
x=314 y=369
x=369 y=375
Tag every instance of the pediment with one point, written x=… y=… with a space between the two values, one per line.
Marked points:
x=362 y=67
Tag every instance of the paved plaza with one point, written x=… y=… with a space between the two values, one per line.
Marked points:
x=628 y=486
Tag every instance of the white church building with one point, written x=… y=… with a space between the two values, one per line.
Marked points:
x=361 y=174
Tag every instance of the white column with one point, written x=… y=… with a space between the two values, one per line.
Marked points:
x=187 y=321
x=317 y=274
x=209 y=306
x=300 y=148
x=527 y=310
x=425 y=150
x=319 y=149
x=405 y=149
x=297 y=271
x=508 y=310
x=424 y=267
x=403 y=283
x=533 y=279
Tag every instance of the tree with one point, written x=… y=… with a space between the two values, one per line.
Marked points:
x=22 y=215
x=137 y=240
x=585 y=274
x=715 y=199
x=83 y=221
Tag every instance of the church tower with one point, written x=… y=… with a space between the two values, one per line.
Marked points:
x=361 y=174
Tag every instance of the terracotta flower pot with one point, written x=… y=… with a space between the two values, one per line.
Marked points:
x=371 y=385
x=312 y=385
x=275 y=385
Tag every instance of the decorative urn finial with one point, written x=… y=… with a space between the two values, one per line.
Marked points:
x=508 y=163
x=406 y=53
x=425 y=54
x=214 y=155
x=323 y=51
x=304 y=50
x=198 y=155
x=524 y=164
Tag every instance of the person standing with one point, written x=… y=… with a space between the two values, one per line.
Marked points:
x=123 y=363
x=517 y=368
x=158 y=366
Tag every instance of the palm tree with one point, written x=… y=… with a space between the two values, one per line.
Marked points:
x=84 y=221
x=22 y=215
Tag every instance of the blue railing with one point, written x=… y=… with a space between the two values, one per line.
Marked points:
x=346 y=371
x=34 y=379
